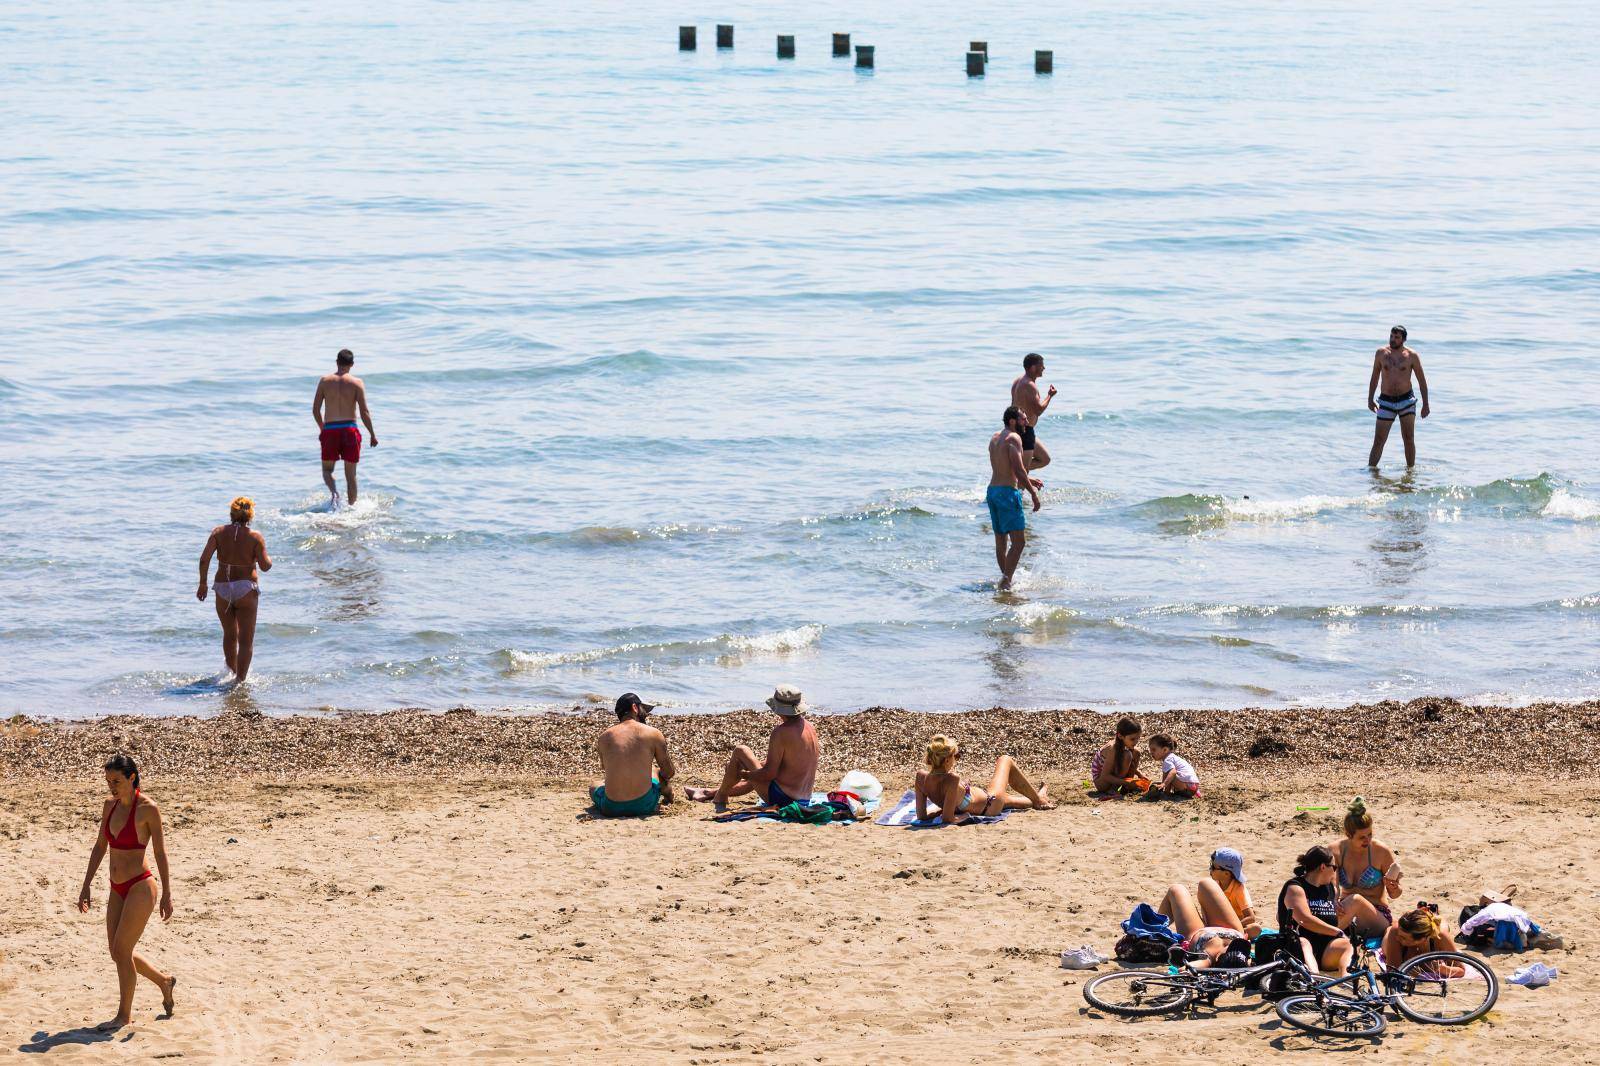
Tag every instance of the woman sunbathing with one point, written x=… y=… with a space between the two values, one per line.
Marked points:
x=1211 y=930
x=1417 y=933
x=959 y=800
x=1367 y=870
x=1221 y=898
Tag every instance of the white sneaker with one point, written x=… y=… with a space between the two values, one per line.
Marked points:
x=1536 y=975
x=1084 y=958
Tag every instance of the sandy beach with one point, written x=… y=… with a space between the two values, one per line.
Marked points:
x=415 y=887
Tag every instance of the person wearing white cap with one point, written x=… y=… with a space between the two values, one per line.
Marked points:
x=790 y=768
x=1219 y=901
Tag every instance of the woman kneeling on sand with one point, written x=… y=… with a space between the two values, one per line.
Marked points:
x=133 y=892
x=1219 y=901
x=958 y=800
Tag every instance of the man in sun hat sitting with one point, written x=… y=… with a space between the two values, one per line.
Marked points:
x=790 y=768
x=630 y=751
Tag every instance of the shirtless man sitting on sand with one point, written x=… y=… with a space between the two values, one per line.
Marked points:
x=1008 y=477
x=1026 y=398
x=630 y=751
x=790 y=769
x=343 y=394
x=1394 y=366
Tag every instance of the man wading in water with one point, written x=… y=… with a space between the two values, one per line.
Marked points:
x=1025 y=396
x=1009 y=476
x=342 y=393
x=1393 y=366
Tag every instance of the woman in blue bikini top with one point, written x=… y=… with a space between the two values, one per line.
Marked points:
x=1367 y=870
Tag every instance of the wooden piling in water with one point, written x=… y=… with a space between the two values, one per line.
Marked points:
x=865 y=57
x=686 y=38
x=975 y=64
x=785 y=47
x=841 y=44
x=980 y=46
x=724 y=36
x=1044 y=62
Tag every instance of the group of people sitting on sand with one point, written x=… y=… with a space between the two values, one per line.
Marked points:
x=1335 y=894
x=639 y=769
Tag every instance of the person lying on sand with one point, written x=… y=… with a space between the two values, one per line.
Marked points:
x=1367 y=869
x=629 y=752
x=1418 y=932
x=958 y=800
x=790 y=769
x=1114 y=767
x=1220 y=899
x=1210 y=930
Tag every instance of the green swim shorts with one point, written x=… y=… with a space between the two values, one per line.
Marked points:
x=634 y=808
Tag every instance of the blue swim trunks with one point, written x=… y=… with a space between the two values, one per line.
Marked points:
x=1005 y=509
x=777 y=797
x=634 y=808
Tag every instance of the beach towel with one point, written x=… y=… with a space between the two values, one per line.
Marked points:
x=904 y=815
x=1146 y=921
x=820 y=811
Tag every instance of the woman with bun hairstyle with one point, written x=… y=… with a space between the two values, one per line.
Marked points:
x=240 y=550
x=959 y=800
x=1418 y=932
x=129 y=822
x=1367 y=870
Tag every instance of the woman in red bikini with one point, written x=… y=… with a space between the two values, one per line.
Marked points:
x=129 y=822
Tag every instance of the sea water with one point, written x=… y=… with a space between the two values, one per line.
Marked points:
x=683 y=364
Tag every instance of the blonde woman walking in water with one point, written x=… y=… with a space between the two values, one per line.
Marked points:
x=959 y=800
x=129 y=822
x=240 y=550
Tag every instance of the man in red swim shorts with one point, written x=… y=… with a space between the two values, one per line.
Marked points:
x=339 y=396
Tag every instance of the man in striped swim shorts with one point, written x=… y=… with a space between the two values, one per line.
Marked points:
x=1392 y=367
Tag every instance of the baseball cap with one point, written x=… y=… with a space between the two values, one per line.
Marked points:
x=1231 y=861
x=628 y=699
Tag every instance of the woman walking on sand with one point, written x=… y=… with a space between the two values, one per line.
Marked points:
x=239 y=551
x=128 y=823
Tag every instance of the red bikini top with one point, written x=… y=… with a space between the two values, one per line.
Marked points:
x=126 y=838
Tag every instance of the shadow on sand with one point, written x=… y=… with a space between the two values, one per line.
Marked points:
x=43 y=1042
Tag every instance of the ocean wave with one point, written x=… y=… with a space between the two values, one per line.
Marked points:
x=725 y=649
x=319 y=514
x=1204 y=510
x=1301 y=612
x=884 y=513
x=1566 y=504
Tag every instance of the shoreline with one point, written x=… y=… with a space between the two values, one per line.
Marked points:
x=1438 y=734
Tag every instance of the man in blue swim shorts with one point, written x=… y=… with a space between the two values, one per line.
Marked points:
x=630 y=752
x=1009 y=476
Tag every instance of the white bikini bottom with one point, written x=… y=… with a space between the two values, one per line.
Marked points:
x=234 y=591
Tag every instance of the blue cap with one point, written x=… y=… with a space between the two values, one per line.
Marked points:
x=1231 y=861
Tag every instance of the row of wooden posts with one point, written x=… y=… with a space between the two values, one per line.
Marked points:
x=1044 y=62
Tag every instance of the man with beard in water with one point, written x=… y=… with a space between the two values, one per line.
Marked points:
x=1393 y=366
x=339 y=395
x=1008 y=477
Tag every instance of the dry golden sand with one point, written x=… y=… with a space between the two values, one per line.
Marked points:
x=335 y=903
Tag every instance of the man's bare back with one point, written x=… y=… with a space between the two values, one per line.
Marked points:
x=629 y=752
x=341 y=394
x=792 y=754
x=1025 y=396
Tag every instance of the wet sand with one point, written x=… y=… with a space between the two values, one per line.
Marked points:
x=428 y=887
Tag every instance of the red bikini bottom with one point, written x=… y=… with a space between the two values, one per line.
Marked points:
x=121 y=887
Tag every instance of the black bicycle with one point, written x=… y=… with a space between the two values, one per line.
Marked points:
x=1439 y=988
x=1146 y=993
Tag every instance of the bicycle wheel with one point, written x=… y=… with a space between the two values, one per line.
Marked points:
x=1326 y=1016
x=1445 y=988
x=1140 y=993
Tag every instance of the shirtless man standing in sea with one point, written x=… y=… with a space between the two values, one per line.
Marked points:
x=1008 y=477
x=1025 y=397
x=339 y=395
x=1393 y=366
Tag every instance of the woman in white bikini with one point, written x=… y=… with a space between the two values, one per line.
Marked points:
x=958 y=800
x=135 y=894
x=239 y=551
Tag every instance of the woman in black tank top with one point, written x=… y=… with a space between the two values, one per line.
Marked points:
x=1309 y=902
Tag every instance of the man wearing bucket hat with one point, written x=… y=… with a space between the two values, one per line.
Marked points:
x=629 y=753
x=790 y=768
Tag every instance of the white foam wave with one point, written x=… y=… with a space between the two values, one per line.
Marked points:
x=1271 y=510
x=1564 y=504
x=1044 y=615
x=726 y=647
x=320 y=513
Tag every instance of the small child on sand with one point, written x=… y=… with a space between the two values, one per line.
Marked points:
x=1178 y=779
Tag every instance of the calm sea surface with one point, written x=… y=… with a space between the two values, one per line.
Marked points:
x=683 y=364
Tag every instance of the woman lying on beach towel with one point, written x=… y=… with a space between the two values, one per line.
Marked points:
x=1211 y=929
x=958 y=800
x=134 y=896
x=1113 y=770
x=1367 y=870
